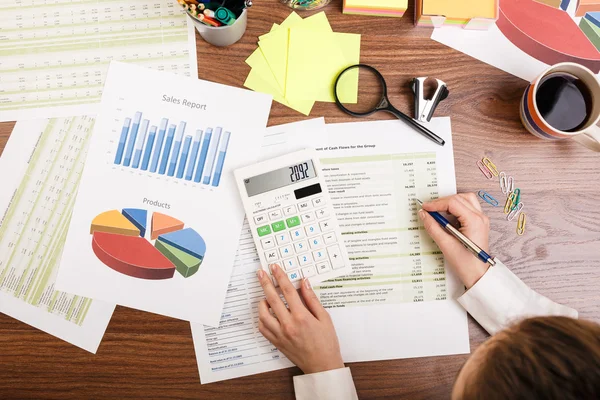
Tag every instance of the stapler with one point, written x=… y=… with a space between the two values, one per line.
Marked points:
x=424 y=108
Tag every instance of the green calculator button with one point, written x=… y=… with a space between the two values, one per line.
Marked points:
x=292 y=222
x=264 y=230
x=278 y=226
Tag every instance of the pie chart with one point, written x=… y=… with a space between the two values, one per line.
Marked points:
x=132 y=244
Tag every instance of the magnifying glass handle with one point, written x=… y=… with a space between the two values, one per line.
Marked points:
x=417 y=126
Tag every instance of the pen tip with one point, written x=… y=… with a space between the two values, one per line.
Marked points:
x=419 y=201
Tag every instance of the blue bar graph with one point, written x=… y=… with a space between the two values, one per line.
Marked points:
x=132 y=137
x=148 y=149
x=159 y=143
x=193 y=156
x=203 y=152
x=221 y=159
x=122 y=140
x=184 y=156
x=165 y=149
x=176 y=148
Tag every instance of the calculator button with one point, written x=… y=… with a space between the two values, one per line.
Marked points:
x=271 y=256
x=264 y=230
x=312 y=230
x=325 y=226
x=318 y=202
x=260 y=219
x=320 y=255
x=335 y=255
x=292 y=222
x=309 y=271
x=304 y=206
x=282 y=238
x=278 y=226
x=315 y=242
x=294 y=276
x=286 y=251
x=290 y=263
x=275 y=214
x=305 y=259
x=329 y=238
x=267 y=243
x=323 y=268
x=289 y=210
x=297 y=234
x=308 y=217
x=323 y=213
x=301 y=246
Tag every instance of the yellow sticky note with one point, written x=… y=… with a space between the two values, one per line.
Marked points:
x=274 y=45
x=350 y=45
x=255 y=82
x=314 y=62
x=460 y=8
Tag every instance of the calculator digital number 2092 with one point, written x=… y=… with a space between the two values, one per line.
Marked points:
x=292 y=219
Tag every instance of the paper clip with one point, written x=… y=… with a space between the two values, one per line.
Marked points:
x=488 y=198
x=517 y=193
x=488 y=174
x=504 y=183
x=510 y=186
x=514 y=212
x=490 y=165
x=521 y=224
x=510 y=202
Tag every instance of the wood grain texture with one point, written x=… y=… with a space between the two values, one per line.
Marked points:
x=145 y=355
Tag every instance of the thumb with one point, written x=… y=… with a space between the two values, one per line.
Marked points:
x=437 y=233
x=311 y=300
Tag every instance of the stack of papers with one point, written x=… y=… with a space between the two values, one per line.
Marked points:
x=382 y=8
x=298 y=61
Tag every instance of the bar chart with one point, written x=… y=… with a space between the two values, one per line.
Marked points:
x=168 y=149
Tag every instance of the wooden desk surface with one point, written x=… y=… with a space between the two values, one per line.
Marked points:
x=145 y=355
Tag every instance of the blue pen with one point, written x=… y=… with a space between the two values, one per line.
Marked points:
x=472 y=247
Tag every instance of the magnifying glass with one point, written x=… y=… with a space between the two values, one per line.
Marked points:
x=372 y=97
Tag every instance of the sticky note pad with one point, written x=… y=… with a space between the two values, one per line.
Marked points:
x=315 y=59
x=462 y=9
x=383 y=8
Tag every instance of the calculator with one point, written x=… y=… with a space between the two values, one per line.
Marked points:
x=292 y=218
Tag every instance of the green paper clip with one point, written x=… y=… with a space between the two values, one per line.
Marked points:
x=517 y=200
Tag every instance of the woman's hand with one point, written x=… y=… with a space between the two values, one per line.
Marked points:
x=305 y=334
x=474 y=224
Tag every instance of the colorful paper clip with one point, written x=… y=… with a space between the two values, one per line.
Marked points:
x=503 y=183
x=514 y=212
x=488 y=174
x=490 y=165
x=517 y=193
x=510 y=185
x=510 y=202
x=488 y=198
x=521 y=224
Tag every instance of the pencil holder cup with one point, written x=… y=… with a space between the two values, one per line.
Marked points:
x=223 y=35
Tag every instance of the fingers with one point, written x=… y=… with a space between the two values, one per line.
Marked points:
x=454 y=205
x=272 y=296
x=312 y=301
x=267 y=320
x=287 y=288
x=270 y=336
x=435 y=230
x=471 y=199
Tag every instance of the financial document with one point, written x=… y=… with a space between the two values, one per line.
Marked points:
x=41 y=169
x=398 y=302
x=54 y=54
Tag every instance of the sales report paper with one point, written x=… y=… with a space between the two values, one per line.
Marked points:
x=398 y=302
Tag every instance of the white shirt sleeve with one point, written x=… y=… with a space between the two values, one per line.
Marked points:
x=336 y=384
x=499 y=299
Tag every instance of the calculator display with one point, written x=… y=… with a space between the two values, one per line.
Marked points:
x=280 y=178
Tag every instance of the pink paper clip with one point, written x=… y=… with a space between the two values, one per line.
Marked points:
x=488 y=174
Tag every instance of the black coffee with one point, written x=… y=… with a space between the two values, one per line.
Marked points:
x=564 y=101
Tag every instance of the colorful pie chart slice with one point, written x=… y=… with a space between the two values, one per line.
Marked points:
x=132 y=256
x=185 y=264
x=162 y=223
x=114 y=222
x=137 y=217
x=186 y=240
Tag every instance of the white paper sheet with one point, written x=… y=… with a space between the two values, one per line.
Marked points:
x=55 y=54
x=40 y=168
x=168 y=144
x=386 y=311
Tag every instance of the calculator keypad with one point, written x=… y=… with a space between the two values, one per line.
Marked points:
x=302 y=241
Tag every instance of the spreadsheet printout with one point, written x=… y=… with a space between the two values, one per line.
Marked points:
x=54 y=54
x=398 y=300
x=45 y=159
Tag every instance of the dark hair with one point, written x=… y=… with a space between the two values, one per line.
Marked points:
x=539 y=358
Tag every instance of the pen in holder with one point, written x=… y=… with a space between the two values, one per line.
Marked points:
x=218 y=25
